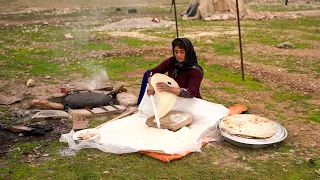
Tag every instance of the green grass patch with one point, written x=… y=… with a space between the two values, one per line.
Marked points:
x=272 y=38
x=217 y=73
x=114 y=67
x=311 y=37
x=34 y=66
x=288 y=96
x=314 y=115
x=229 y=89
x=95 y=164
x=278 y=170
x=137 y=42
x=292 y=64
x=282 y=7
x=273 y=32
x=286 y=148
x=5 y=115
x=223 y=45
x=202 y=23
x=307 y=24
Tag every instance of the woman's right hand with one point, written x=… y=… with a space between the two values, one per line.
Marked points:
x=150 y=90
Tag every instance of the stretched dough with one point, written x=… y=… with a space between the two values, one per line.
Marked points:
x=166 y=100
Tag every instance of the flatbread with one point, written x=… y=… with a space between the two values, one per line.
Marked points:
x=248 y=126
x=173 y=120
x=166 y=100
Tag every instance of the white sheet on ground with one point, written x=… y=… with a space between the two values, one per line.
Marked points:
x=131 y=134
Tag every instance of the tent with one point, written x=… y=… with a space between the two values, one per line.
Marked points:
x=215 y=9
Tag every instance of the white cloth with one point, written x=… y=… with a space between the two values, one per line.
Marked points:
x=131 y=134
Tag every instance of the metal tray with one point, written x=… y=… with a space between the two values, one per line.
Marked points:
x=281 y=134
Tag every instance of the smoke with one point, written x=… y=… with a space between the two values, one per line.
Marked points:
x=98 y=78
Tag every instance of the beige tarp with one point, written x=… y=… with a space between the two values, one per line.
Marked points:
x=198 y=9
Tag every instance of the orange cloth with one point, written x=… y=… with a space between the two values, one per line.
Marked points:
x=237 y=109
x=166 y=157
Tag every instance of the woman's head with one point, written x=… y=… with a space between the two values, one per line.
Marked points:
x=179 y=50
x=183 y=51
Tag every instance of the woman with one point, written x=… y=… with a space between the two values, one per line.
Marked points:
x=183 y=67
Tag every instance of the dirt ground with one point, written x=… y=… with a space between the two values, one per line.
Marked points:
x=301 y=133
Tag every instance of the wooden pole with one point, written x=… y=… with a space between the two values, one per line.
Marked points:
x=175 y=16
x=240 y=41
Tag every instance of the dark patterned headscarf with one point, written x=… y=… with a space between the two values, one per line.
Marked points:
x=191 y=60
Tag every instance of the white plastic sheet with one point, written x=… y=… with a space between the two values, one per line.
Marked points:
x=131 y=134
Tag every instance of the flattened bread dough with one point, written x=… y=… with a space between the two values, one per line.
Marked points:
x=172 y=121
x=248 y=126
x=166 y=100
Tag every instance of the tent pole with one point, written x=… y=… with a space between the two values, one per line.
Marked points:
x=175 y=16
x=240 y=41
x=286 y=2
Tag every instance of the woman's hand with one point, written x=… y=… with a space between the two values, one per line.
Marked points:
x=150 y=90
x=161 y=86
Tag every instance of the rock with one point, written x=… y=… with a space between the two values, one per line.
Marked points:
x=50 y=115
x=4 y=100
x=132 y=11
x=31 y=83
x=311 y=161
x=280 y=45
x=19 y=129
x=67 y=152
x=207 y=18
x=133 y=108
x=225 y=17
x=215 y=17
x=127 y=99
x=68 y=36
x=285 y=45
x=288 y=44
x=24 y=113
x=208 y=41
x=48 y=77
x=80 y=124
x=232 y=17
x=56 y=97
x=299 y=162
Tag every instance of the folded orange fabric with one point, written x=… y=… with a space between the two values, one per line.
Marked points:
x=237 y=109
x=166 y=157
x=162 y=156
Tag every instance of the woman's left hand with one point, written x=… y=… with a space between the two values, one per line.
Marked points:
x=161 y=86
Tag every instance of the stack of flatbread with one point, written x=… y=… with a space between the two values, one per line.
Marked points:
x=248 y=126
x=173 y=120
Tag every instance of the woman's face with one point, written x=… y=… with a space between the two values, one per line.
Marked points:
x=180 y=54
